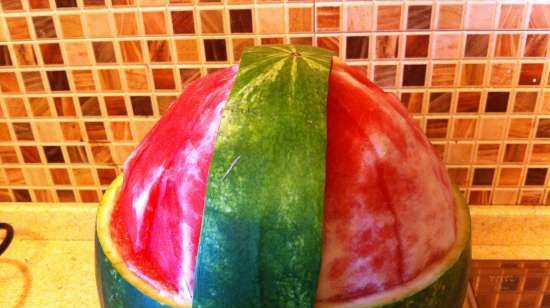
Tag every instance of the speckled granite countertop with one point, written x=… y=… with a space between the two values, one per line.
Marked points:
x=51 y=263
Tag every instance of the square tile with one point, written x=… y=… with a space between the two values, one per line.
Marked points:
x=419 y=17
x=71 y=26
x=104 y=52
x=520 y=128
x=530 y=74
x=509 y=177
x=492 y=128
x=385 y=75
x=450 y=16
x=44 y=27
x=414 y=74
x=40 y=107
x=443 y=75
x=464 y=128
x=468 y=102
x=154 y=23
x=536 y=176
x=417 y=46
x=480 y=16
x=187 y=51
x=332 y=43
x=446 y=46
x=300 y=20
x=536 y=45
x=159 y=51
x=472 y=74
x=15 y=107
x=53 y=154
x=543 y=128
x=30 y=154
x=24 y=53
x=511 y=16
x=539 y=16
x=328 y=19
x=436 y=128
x=65 y=3
x=460 y=153
x=164 y=79
x=131 y=51
x=64 y=106
x=241 y=21
x=440 y=102
x=77 y=53
x=540 y=154
x=413 y=101
x=99 y=25
x=215 y=50
x=58 y=80
x=89 y=106
x=126 y=23
x=487 y=153
x=357 y=47
x=212 y=21
x=109 y=80
x=502 y=74
x=476 y=45
x=136 y=79
x=18 y=28
x=115 y=106
x=33 y=81
x=187 y=75
x=507 y=45
x=239 y=45
x=5 y=58
x=514 y=152
x=389 y=17
x=497 y=101
x=525 y=101
x=483 y=176
x=12 y=5
x=71 y=132
x=141 y=105
x=51 y=53
x=39 y=4
x=271 y=20
x=387 y=46
x=95 y=131
x=359 y=18
x=8 y=83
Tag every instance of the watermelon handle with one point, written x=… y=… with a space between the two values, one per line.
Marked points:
x=9 y=236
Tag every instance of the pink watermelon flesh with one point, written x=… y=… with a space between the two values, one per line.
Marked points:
x=159 y=212
x=383 y=182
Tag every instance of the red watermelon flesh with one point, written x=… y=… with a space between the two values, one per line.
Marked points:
x=157 y=220
x=383 y=181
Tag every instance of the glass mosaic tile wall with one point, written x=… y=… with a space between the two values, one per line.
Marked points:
x=82 y=81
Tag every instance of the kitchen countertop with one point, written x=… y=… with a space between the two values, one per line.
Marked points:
x=51 y=263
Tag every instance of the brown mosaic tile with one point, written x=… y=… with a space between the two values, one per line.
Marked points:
x=18 y=28
x=110 y=80
x=332 y=43
x=164 y=79
x=187 y=51
x=8 y=155
x=21 y=195
x=514 y=153
x=443 y=75
x=543 y=128
x=414 y=74
x=385 y=75
x=104 y=52
x=8 y=83
x=5 y=59
x=436 y=128
x=357 y=47
x=137 y=79
x=472 y=74
x=33 y=81
x=39 y=4
x=539 y=18
x=507 y=45
x=492 y=128
x=15 y=107
x=270 y=20
x=536 y=176
x=43 y=195
x=53 y=154
x=389 y=17
x=241 y=21
x=212 y=21
x=530 y=73
x=77 y=154
x=5 y=196
x=95 y=131
x=83 y=176
x=4 y=132
x=450 y=16
x=182 y=22
x=440 y=102
x=106 y=176
x=51 y=53
x=387 y=46
x=413 y=101
x=540 y=153
x=121 y=131
x=65 y=3
x=417 y=46
x=71 y=131
x=300 y=20
x=520 y=128
x=115 y=106
x=30 y=154
x=502 y=74
x=328 y=19
x=419 y=17
x=89 y=106
x=83 y=80
x=44 y=27
x=102 y=154
x=64 y=106
x=459 y=176
x=94 y=3
x=188 y=74
x=131 y=51
x=483 y=176
x=141 y=105
x=24 y=53
x=58 y=80
x=88 y=196
x=476 y=45
x=164 y=103
x=487 y=153
x=215 y=50
x=60 y=176
x=40 y=107
x=464 y=128
x=525 y=101
x=65 y=195
x=536 y=45
x=159 y=51
x=497 y=101
x=12 y=5
x=126 y=23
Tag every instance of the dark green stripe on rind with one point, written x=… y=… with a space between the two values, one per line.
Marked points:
x=260 y=243
x=114 y=290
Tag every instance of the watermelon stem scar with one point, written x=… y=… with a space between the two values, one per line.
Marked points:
x=288 y=181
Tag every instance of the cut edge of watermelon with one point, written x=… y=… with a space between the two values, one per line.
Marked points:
x=426 y=278
x=110 y=250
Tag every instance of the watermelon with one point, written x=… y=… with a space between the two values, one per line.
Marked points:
x=289 y=180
